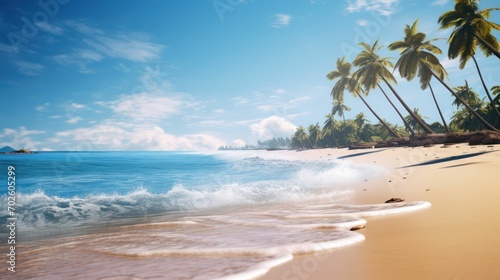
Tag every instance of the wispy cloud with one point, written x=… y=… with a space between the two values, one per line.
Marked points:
x=42 y=108
x=146 y=106
x=239 y=100
x=6 y=48
x=80 y=57
x=361 y=22
x=50 y=28
x=82 y=27
x=28 y=68
x=281 y=20
x=439 y=2
x=94 y=45
x=125 y=47
x=383 y=7
x=77 y=106
x=73 y=120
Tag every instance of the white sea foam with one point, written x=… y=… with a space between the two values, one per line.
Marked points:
x=323 y=181
x=227 y=245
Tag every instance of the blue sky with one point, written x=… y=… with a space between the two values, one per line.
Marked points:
x=194 y=75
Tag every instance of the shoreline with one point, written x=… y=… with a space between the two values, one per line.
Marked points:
x=454 y=239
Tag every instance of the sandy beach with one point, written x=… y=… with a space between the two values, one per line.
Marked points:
x=457 y=238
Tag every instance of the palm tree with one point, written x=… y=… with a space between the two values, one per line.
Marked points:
x=471 y=29
x=315 y=134
x=414 y=50
x=300 y=139
x=464 y=120
x=365 y=130
x=413 y=123
x=373 y=68
x=435 y=61
x=339 y=108
x=343 y=73
x=496 y=91
x=330 y=126
x=468 y=95
x=361 y=120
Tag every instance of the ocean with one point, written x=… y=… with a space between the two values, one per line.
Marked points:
x=177 y=215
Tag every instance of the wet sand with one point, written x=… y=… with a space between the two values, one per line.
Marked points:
x=457 y=238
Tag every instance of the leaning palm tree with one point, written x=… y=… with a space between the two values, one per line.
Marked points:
x=432 y=60
x=413 y=122
x=373 y=68
x=339 y=108
x=496 y=92
x=343 y=73
x=468 y=95
x=414 y=50
x=471 y=29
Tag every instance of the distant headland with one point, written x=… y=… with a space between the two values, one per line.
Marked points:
x=10 y=150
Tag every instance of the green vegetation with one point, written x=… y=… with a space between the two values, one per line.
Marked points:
x=279 y=143
x=471 y=30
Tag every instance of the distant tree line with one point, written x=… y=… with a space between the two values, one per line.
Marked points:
x=371 y=72
x=279 y=143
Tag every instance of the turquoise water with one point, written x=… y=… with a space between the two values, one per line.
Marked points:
x=71 y=188
x=172 y=215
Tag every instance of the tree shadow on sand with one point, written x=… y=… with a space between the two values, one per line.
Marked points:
x=360 y=154
x=447 y=159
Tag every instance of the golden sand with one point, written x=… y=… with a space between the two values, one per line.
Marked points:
x=457 y=238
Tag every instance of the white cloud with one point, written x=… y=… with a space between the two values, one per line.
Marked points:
x=73 y=120
x=281 y=20
x=96 y=45
x=240 y=100
x=239 y=143
x=279 y=91
x=361 y=22
x=299 y=99
x=45 y=26
x=77 y=106
x=7 y=48
x=146 y=106
x=439 y=2
x=114 y=136
x=19 y=138
x=384 y=7
x=43 y=107
x=83 y=27
x=450 y=64
x=28 y=68
x=273 y=126
x=88 y=55
x=122 y=67
x=126 y=47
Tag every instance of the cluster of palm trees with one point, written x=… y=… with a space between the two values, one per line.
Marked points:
x=471 y=31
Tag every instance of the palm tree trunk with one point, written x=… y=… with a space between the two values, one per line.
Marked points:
x=422 y=124
x=488 y=46
x=439 y=109
x=483 y=121
x=379 y=118
x=407 y=125
x=486 y=88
